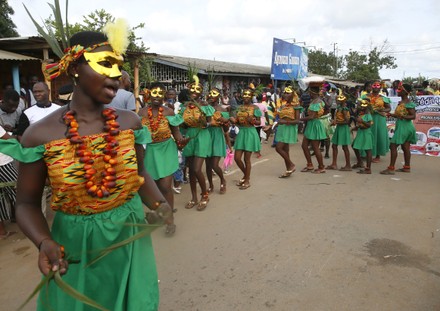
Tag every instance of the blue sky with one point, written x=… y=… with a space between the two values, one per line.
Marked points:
x=243 y=31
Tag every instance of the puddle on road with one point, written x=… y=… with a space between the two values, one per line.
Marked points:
x=391 y=252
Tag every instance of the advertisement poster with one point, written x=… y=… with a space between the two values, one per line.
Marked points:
x=289 y=61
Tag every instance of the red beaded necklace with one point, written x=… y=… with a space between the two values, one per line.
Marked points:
x=94 y=188
x=154 y=123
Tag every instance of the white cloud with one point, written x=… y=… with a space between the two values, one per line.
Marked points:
x=242 y=30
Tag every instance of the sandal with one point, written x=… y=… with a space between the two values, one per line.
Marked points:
x=357 y=165
x=365 y=171
x=331 y=167
x=319 y=171
x=287 y=173
x=170 y=229
x=211 y=189
x=222 y=188
x=203 y=203
x=387 y=172
x=307 y=169
x=190 y=204
x=375 y=160
x=244 y=186
x=345 y=169
x=240 y=182
x=405 y=169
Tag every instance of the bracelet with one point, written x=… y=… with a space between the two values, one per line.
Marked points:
x=158 y=203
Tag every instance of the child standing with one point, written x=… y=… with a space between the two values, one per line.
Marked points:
x=364 y=137
x=341 y=136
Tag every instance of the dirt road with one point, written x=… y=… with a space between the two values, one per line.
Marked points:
x=334 y=241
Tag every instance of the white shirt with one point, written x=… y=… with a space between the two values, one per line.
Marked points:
x=36 y=113
x=4 y=159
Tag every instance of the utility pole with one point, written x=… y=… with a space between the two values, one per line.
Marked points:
x=336 y=58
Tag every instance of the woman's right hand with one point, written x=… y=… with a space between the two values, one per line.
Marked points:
x=51 y=257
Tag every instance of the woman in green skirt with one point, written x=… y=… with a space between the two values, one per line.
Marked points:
x=405 y=132
x=342 y=135
x=314 y=131
x=247 y=141
x=161 y=159
x=219 y=126
x=363 y=141
x=287 y=128
x=93 y=159
x=197 y=118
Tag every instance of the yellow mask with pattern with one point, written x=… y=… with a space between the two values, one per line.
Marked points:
x=213 y=93
x=195 y=88
x=157 y=93
x=247 y=94
x=105 y=63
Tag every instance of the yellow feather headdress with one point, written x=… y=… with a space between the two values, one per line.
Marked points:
x=117 y=34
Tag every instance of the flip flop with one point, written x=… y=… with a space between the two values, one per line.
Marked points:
x=244 y=186
x=387 y=172
x=222 y=188
x=357 y=165
x=318 y=171
x=307 y=169
x=240 y=182
x=403 y=170
x=190 y=204
x=331 y=167
x=287 y=173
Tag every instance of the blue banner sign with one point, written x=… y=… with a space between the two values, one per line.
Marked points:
x=289 y=61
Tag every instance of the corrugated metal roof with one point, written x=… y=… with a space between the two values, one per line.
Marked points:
x=218 y=67
x=5 y=55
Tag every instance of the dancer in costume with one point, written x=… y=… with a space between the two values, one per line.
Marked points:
x=161 y=158
x=314 y=131
x=363 y=141
x=380 y=107
x=405 y=132
x=287 y=127
x=93 y=157
x=197 y=118
x=341 y=136
x=247 y=140
x=219 y=126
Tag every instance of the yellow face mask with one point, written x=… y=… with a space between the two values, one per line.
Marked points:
x=105 y=63
x=288 y=90
x=247 y=94
x=214 y=93
x=157 y=93
x=196 y=89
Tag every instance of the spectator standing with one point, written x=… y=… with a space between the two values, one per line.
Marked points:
x=124 y=99
x=9 y=111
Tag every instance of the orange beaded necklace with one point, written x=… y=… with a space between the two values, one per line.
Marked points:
x=154 y=123
x=94 y=188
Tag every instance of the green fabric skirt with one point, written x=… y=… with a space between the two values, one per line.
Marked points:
x=342 y=136
x=199 y=145
x=381 y=140
x=315 y=130
x=125 y=279
x=247 y=139
x=161 y=159
x=218 y=142
x=363 y=140
x=405 y=131
x=287 y=134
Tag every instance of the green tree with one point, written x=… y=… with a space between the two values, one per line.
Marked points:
x=326 y=64
x=364 y=67
x=7 y=26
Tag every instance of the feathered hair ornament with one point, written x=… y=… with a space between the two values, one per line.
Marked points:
x=117 y=34
x=196 y=80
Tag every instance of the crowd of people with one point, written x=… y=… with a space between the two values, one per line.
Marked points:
x=105 y=162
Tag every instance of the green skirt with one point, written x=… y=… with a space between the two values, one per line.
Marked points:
x=161 y=159
x=125 y=279
x=315 y=130
x=363 y=140
x=287 y=134
x=381 y=140
x=247 y=139
x=342 y=136
x=404 y=132
x=200 y=143
x=218 y=142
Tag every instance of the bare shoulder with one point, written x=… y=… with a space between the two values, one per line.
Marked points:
x=128 y=119
x=45 y=130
